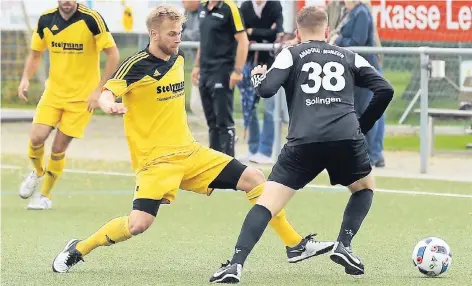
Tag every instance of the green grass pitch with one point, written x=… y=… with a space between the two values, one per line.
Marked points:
x=191 y=237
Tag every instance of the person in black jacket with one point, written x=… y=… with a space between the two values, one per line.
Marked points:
x=264 y=22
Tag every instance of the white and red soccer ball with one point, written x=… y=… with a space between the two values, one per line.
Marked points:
x=432 y=256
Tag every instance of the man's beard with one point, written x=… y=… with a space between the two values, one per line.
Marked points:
x=67 y=11
x=168 y=51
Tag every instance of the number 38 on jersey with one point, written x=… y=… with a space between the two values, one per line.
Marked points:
x=333 y=79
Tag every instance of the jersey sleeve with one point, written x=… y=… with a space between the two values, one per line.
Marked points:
x=235 y=18
x=126 y=76
x=366 y=76
x=117 y=86
x=266 y=85
x=38 y=42
x=99 y=29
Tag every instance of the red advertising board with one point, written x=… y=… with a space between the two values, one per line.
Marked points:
x=440 y=20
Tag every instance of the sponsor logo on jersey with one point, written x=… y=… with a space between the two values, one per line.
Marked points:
x=317 y=100
x=173 y=87
x=68 y=46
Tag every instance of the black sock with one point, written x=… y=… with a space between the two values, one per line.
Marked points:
x=356 y=210
x=253 y=227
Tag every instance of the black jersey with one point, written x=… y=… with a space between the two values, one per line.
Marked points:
x=319 y=81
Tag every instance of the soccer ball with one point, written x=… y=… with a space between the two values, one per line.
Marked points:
x=432 y=256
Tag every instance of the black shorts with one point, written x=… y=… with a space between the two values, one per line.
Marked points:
x=346 y=162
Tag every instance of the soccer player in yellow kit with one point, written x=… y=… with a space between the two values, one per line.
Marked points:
x=164 y=154
x=74 y=35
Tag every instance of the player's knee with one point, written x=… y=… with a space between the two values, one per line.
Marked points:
x=250 y=179
x=39 y=133
x=139 y=223
x=138 y=227
x=367 y=182
x=57 y=149
x=61 y=142
x=37 y=138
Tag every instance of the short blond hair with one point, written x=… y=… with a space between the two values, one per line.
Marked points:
x=162 y=12
x=312 y=18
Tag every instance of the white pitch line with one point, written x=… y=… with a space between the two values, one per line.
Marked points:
x=11 y=167
x=395 y=191
x=78 y=171
x=312 y=186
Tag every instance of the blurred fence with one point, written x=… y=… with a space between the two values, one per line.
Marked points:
x=402 y=66
x=402 y=69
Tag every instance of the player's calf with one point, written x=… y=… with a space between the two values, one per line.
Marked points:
x=39 y=133
x=356 y=210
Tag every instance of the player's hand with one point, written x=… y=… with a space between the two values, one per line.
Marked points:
x=195 y=76
x=93 y=100
x=259 y=70
x=22 y=88
x=289 y=43
x=234 y=79
x=115 y=109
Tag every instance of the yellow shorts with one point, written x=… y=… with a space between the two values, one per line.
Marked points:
x=72 y=117
x=192 y=170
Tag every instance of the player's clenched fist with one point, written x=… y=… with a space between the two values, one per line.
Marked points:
x=259 y=70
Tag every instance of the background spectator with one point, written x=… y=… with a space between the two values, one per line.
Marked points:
x=191 y=32
x=264 y=22
x=219 y=67
x=358 y=30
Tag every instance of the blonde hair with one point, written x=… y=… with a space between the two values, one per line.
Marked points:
x=312 y=18
x=160 y=13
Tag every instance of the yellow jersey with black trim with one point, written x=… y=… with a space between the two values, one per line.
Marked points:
x=153 y=93
x=74 y=51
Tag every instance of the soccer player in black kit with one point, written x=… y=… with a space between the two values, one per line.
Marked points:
x=324 y=133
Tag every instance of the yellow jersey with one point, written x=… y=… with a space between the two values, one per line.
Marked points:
x=74 y=51
x=154 y=95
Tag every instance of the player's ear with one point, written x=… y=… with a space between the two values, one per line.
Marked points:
x=153 y=34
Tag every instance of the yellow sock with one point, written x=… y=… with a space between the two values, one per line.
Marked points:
x=116 y=230
x=279 y=223
x=36 y=154
x=53 y=172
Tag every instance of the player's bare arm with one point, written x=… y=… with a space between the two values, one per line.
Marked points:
x=241 y=56
x=113 y=58
x=196 y=69
x=31 y=66
x=108 y=104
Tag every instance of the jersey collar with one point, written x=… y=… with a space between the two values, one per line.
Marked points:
x=154 y=58
x=72 y=16
x=216 y=6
